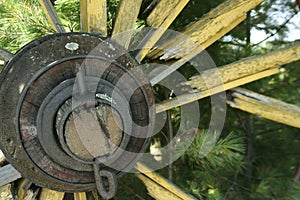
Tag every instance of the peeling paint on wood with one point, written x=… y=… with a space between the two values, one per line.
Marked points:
x=222 y=78
x=189 y=98
x=265 y=107
x=207 y=30
x=245 y=67
x=161 y=18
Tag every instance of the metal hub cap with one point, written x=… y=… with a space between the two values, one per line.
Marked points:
x=66 y=105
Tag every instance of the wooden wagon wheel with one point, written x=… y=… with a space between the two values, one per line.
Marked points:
x=202 y=33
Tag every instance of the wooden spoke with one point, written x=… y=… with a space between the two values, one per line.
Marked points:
x=2 y=158
x=8 y=174
x=159 y=187
x=80 y=196
x=125 y=21
x=204 y=32
x=157 y=191
x=265 y=107
x=5 y=55
x=246 y=67
x=52 y=16
x=6 y=192
x=189 y=98
x=23 y=189
x=51 y=194
x=93 y=16
x=161 y=17
x=245 y=71
x=207 y=30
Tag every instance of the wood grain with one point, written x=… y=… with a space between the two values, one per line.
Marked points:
x=8 y=174
x=206 y=30
x=125 y=21
x=93 y=16
x=265 y=107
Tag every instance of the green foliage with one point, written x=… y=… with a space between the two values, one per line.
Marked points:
x=69 y=14
x=209 y=162
x=210 y=153
x=211 y=168
x=21 y=21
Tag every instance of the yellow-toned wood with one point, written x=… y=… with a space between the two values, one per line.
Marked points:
x=208 y=29
x=23 y=190
x=80 y=196
x=125 y=21
x=156 y=52
x=51 y=16
x=156 y=191
x=161 y=18
x=48 y=194
x=93 y=16
x=6 y=192
x=233 y=75
x=158 y=185
x=189 y=98
x=266 y=107
x=246 y=67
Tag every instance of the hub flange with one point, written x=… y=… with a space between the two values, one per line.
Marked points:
x=44 y=131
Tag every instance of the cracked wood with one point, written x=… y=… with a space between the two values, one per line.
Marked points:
x=206 y=30
x=265 y=107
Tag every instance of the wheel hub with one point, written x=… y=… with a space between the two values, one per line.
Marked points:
x=65 y=104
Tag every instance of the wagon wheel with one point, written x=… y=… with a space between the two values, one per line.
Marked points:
x=36 y=87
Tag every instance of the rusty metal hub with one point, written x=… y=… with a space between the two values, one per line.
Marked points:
x=65 y=102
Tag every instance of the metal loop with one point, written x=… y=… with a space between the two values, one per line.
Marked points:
x=107 y=190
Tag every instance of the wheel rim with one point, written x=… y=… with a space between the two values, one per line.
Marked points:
x=7 y=72
x=45 y=105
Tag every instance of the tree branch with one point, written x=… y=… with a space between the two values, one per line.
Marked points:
x=278 y=29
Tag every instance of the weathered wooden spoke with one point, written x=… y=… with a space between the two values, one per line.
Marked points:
x=245 y=71
x=125 y=21
x=159 y=187
x=206 y=30
x=265 y=107
x=161 y=18
x=94 y=16
x=5 y=55
x=51 y=194
x=80 y=196
x=52 y=16
x=8 y=174
x=61 y=72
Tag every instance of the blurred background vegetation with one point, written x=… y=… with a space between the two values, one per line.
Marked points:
x=254 y=158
